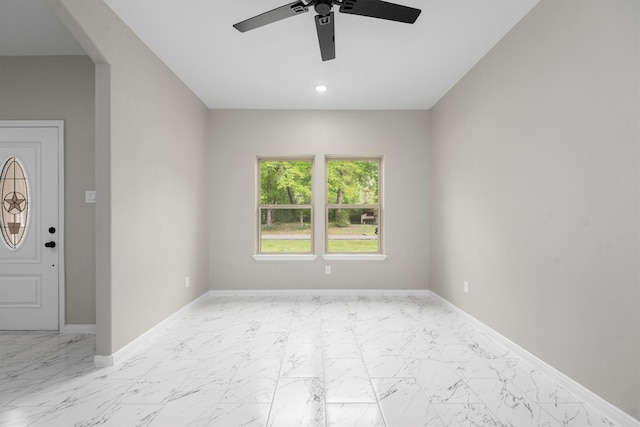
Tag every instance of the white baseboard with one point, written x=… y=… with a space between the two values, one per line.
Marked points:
x=612 y=412
x=135 y=345
x=311 y=292
x=79 y=329
x=102 y=361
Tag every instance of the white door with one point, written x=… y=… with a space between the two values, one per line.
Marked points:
x=30 y=221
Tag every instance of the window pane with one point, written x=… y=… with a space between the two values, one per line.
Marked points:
x=15 y=203
x=353 y=231
x=285 y=230
x=352 y=182
x=285 y=183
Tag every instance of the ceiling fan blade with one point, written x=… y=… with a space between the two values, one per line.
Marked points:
x=277 y=14
x=381 y=9
x=325 y=25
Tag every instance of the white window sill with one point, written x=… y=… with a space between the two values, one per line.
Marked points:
x=285 y=257
x=354 y=257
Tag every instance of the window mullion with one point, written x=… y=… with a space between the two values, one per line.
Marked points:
x=285 y=206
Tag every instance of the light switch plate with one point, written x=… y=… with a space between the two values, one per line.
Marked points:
x=90 y=196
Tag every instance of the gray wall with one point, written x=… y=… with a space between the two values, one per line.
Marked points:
x=152 y=179
x=237 y=137
x=534 y=192
x=54 y=88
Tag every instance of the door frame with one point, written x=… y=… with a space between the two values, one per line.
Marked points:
x=59 y=124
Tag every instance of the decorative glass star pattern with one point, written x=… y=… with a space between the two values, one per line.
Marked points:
x=14 y=203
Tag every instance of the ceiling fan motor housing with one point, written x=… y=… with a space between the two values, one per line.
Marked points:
x=322 y=7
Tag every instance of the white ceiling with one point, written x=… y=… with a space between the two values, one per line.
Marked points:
x=379 y=64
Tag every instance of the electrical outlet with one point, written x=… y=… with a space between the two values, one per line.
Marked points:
x=186 y=282
x=466 y=287
x=327 y=269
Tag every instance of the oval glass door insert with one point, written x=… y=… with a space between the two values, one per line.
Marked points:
x=15 y=203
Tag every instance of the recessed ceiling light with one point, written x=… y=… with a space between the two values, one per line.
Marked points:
x=321 y=88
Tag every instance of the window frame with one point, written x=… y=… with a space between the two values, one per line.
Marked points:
x=379 y=254
x=259 y=254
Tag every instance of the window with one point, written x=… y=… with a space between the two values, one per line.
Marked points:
x=15 y=203
x=353 y=215
x=285 y=212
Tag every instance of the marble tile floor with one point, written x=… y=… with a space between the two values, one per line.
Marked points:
x=287 y=361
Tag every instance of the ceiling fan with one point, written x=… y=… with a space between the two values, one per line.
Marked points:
x=325 y=18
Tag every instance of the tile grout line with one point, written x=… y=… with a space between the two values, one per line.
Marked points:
x=373 y=389
x=324 y=376
x=284 y=352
